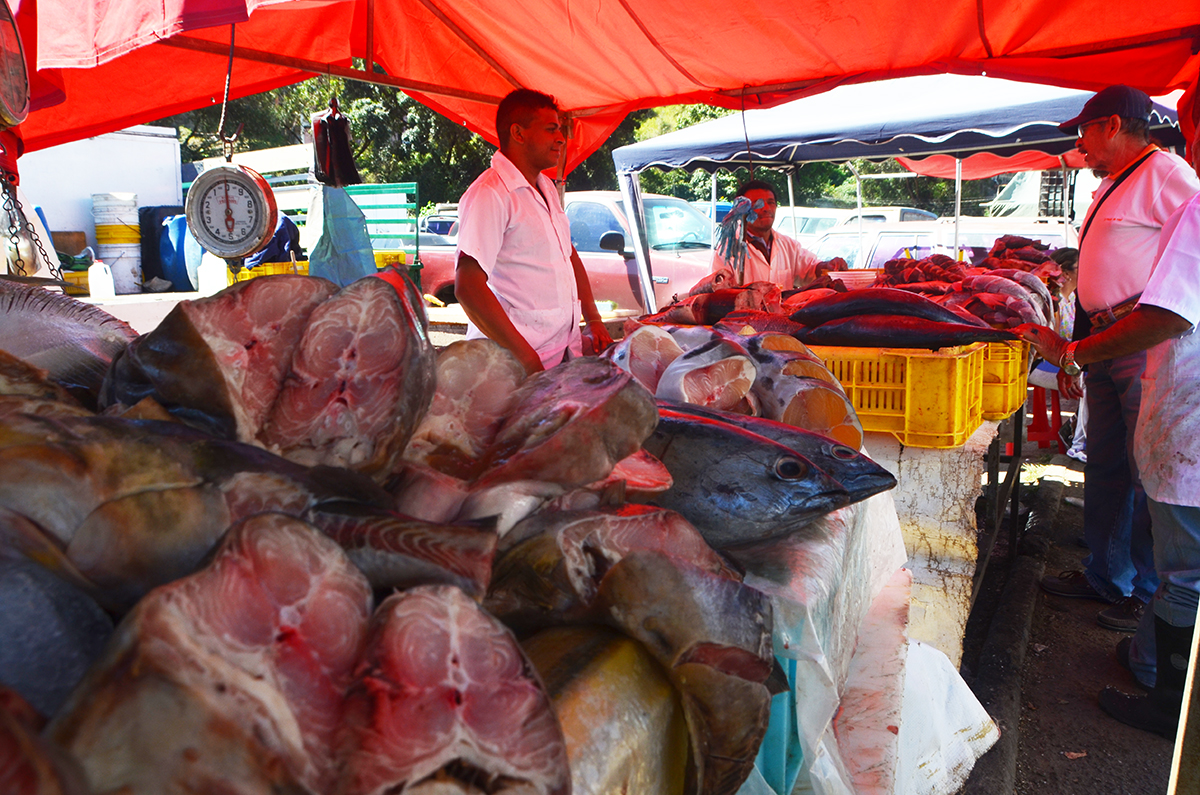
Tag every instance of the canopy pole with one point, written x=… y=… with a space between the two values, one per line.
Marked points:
x=957 y=203
x=858 y=263
x=1066 y=201
x=712 y=218
x=370 y=59
x=631 y=192
x=792 y=201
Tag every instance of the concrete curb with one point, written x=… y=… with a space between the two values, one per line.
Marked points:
x=998 y=676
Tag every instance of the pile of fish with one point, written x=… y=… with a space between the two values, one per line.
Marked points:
x=339 y=561
x=769 y=374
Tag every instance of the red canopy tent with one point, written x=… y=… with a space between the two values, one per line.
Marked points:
x=102 y=66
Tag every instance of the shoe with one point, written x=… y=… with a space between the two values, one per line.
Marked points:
x=1078 y=455
x=1071 y=583
x=1157 y=712
x=1123 y=616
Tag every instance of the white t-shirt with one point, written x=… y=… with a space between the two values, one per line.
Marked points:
x=791 y=265
x=1166 y=442
x=523 y=245
x=1118 y=250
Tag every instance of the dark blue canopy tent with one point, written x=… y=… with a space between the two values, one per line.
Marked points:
x=911 y=118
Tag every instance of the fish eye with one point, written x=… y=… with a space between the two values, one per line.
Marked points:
x=843 y=452
x=788 y=468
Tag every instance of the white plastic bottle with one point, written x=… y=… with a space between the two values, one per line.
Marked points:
x=212 y=275
x=100 y=281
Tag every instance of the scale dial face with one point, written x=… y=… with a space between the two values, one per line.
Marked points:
x=231 y=211
x=14 y=78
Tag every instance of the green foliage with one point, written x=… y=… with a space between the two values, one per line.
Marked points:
x=924 y=193
x=397 y=139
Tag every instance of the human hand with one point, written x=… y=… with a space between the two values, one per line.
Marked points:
x=596 y=334
x=1045 y=341
x=1070 y=386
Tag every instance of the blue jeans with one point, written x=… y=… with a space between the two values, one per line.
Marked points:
x=1177 y=556
x=1116 y=522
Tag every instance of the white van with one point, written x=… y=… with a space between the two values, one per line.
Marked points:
x=886 y=241
x=806 y=224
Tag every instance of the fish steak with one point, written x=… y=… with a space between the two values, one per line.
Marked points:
x=445 y=701
x=230 y=680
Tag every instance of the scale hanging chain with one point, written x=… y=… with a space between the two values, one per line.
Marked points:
x=18 y=222
x=227 y=142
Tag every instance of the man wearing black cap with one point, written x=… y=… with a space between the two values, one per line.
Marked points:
x=1167 y=449
x=1142 y=187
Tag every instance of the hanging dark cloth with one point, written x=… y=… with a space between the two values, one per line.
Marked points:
x=333 y=162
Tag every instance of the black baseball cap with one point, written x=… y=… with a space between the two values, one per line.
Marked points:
x=1123 y=101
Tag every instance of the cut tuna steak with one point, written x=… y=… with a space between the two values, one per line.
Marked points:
x=217 y=363
x=571 y=424
x=230 y=680
x=360 y=379
x=444 y=701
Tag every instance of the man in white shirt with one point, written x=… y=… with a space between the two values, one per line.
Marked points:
x=1166 y=447
x=1143 y=186
x=770 y=256
x=517 y=276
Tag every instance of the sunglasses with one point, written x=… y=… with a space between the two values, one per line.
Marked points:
x=1086 y=124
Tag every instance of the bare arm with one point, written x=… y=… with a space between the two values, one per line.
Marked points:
x=1140 y=330
x=583 y=286
x=482 y=308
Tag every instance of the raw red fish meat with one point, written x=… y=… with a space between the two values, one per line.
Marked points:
x=230 y=680
x=570 y=426
x=477 y=382
x=645 y=353
x=357 y=385
x=445 y=700
x=218 y=363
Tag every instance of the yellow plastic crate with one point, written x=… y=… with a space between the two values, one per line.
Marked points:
x=923 y=398
x=77 y=278
x=268 y=269
x=1005 y=378
x=385 y=257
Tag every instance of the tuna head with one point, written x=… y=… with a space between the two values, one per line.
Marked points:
x=736 y=486
x=858 y=474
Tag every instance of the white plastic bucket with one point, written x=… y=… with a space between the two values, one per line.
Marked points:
x=116 y=218
x=125 y=262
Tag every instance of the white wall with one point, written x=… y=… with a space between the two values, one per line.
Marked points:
x=61 y=180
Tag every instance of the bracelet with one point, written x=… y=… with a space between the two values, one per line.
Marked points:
x=597 y=320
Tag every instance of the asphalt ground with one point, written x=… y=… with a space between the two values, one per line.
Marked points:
x=1036 y=661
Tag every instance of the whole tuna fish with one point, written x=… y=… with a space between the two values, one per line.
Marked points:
x=735 y=486
x=872 y=301
x=72 y=341
x=444 y=699
x=857 y=473
x=230 y=680
x=899 y=331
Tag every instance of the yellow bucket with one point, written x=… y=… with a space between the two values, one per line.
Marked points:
x=117 y=235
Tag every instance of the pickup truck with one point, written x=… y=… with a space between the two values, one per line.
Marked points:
x=680 y=252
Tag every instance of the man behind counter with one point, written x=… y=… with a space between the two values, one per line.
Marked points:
x=770 y=256
x=517 y=276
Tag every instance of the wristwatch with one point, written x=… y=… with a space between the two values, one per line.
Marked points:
x=1068 y=361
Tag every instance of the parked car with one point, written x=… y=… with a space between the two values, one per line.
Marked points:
x=442 y=221
x=880 y=215
x=806 y=224
x=678 y=236
x=706 y=208
x=885 y=241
